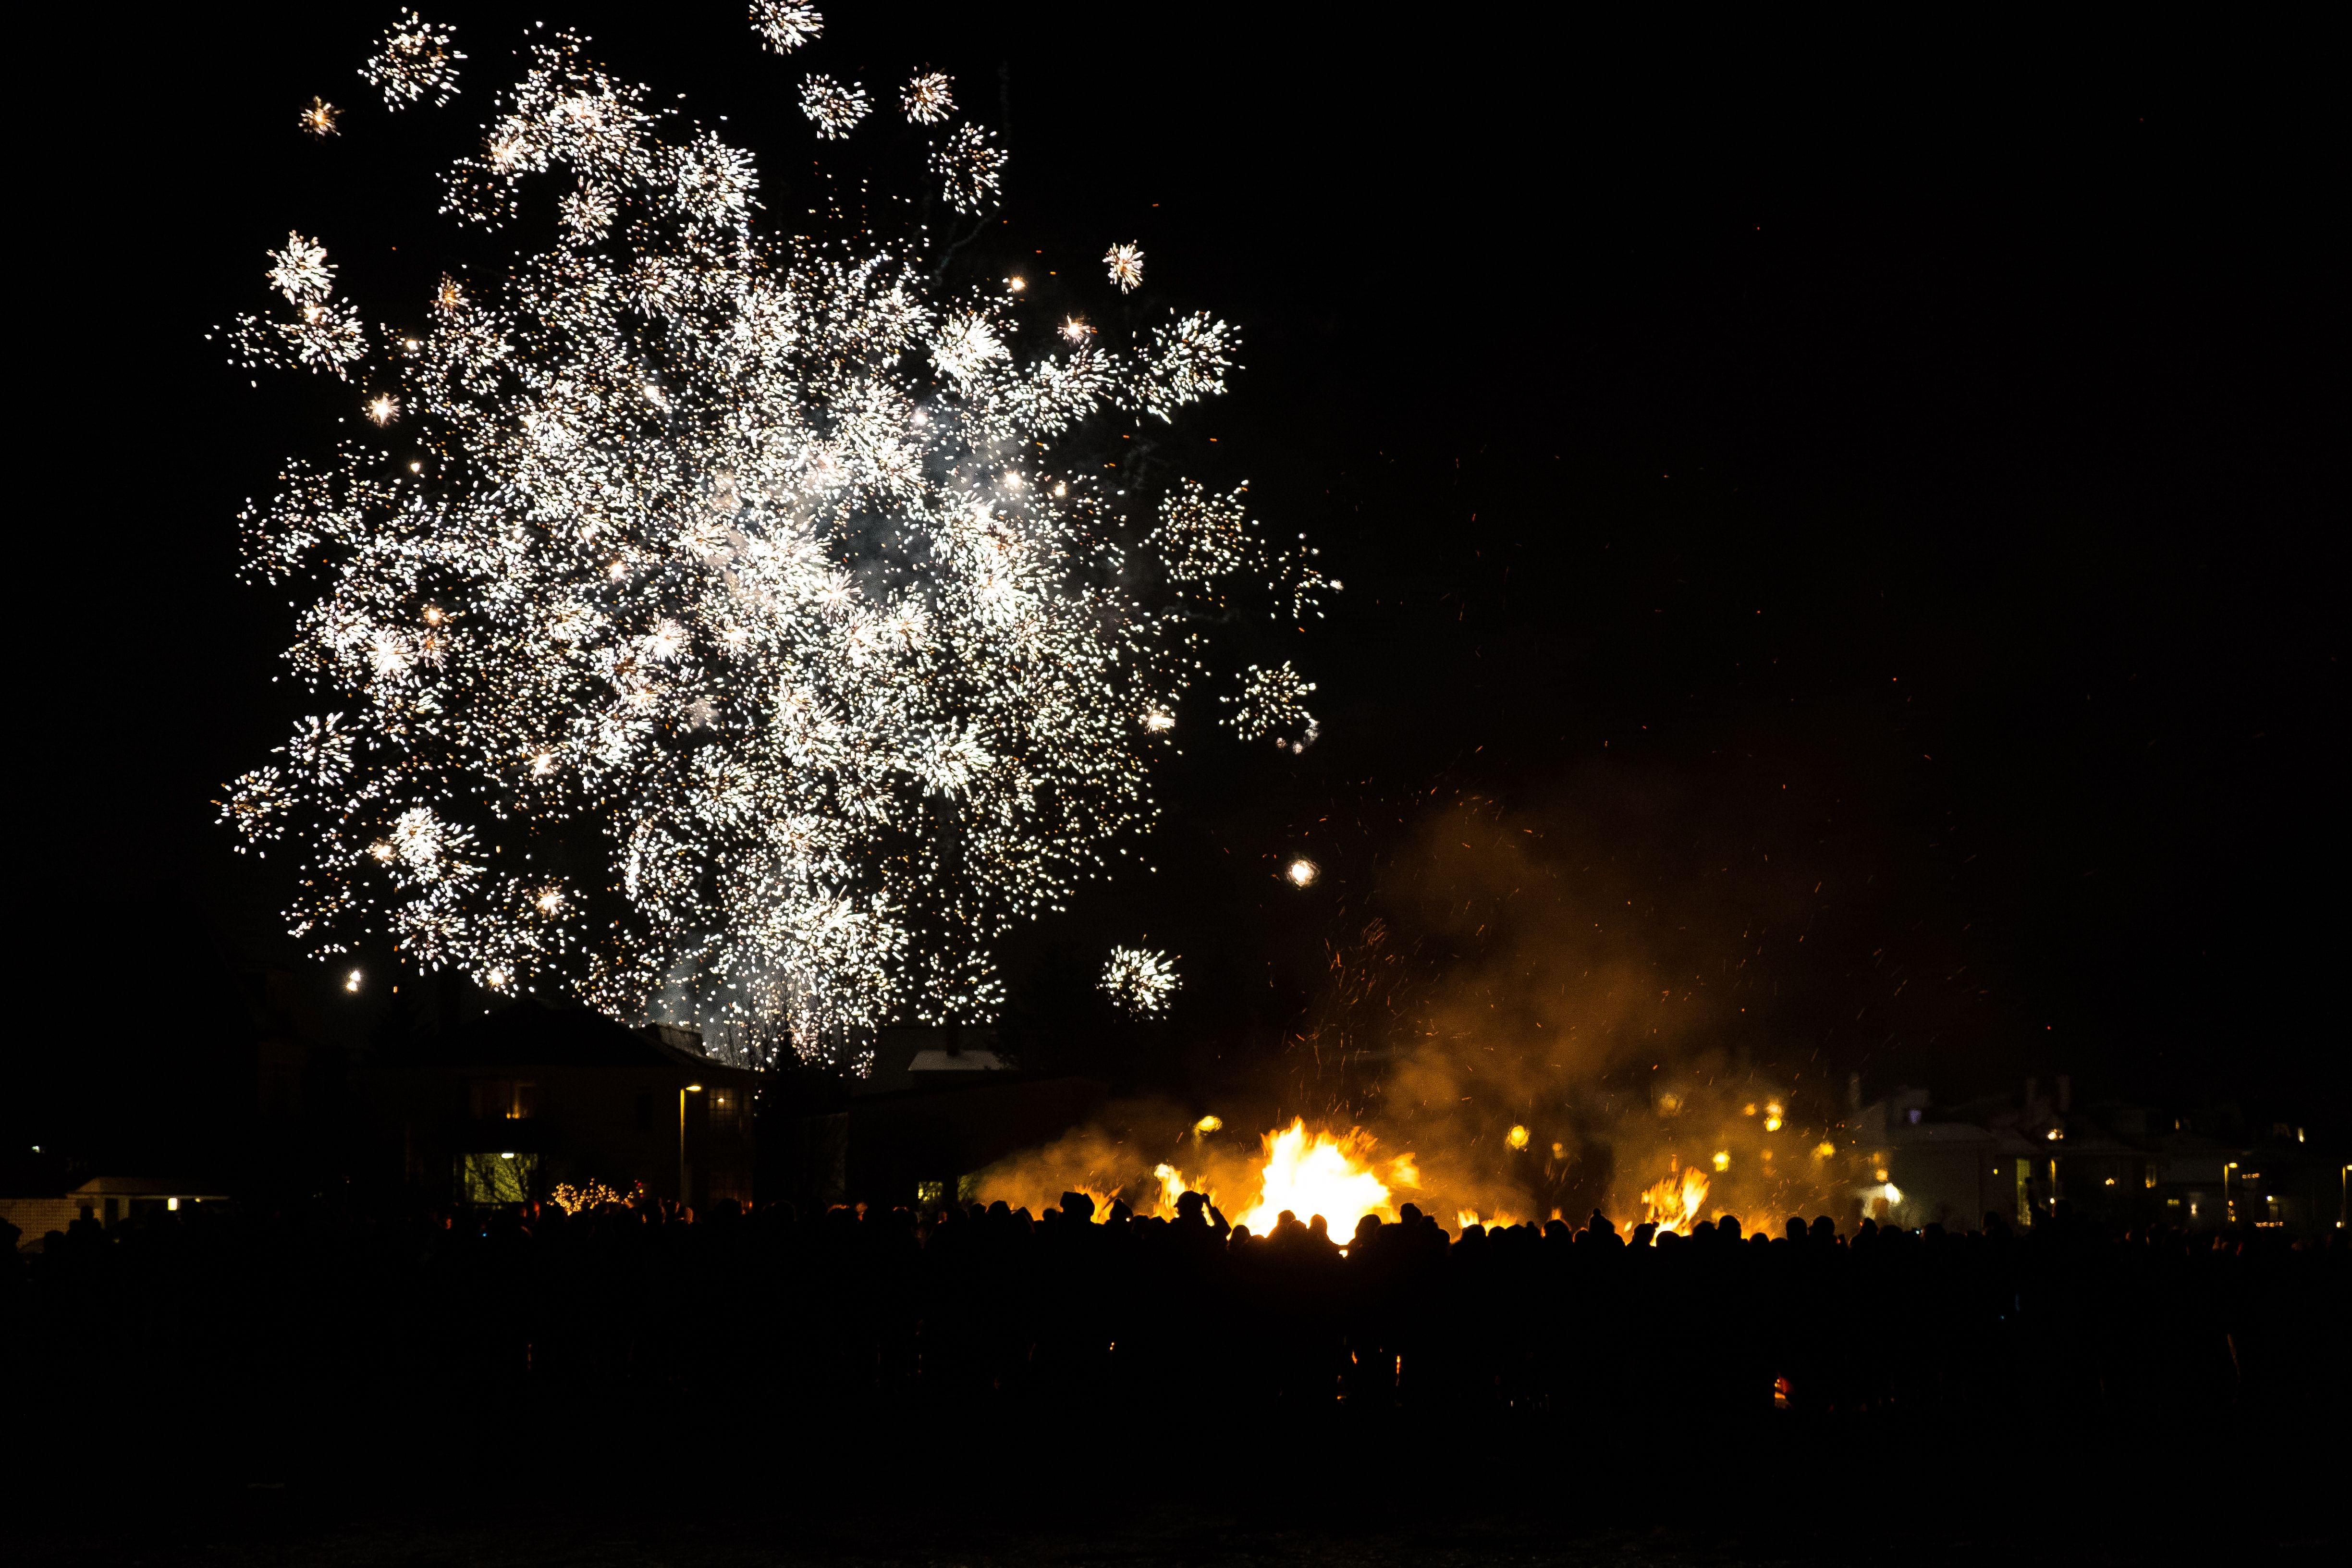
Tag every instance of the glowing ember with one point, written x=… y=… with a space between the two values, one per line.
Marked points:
x=1322 y=1175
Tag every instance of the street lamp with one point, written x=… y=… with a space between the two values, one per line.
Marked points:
x=689 y=1088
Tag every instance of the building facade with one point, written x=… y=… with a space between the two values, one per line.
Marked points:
x=511 y=1106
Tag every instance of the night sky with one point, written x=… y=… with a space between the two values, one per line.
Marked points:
x=1867 y=488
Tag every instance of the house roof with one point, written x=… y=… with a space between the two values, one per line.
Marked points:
x=531 y=1033
x=148 y=1187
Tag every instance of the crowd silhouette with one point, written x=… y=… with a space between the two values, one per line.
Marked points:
x=994 y=1305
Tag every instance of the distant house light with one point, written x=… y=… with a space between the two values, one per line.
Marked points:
x=172 y=1204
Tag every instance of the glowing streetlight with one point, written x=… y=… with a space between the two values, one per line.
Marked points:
x=689 y=1088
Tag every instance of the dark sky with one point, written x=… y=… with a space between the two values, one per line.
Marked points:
x=1889 y=463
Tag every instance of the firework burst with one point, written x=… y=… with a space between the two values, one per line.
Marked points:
x=833 y=107
x=739 y=631
x=970 y=168
x=1126 y=264
x=930 y=97
x=412 y=63
x=1139 y=980
x=786 y=25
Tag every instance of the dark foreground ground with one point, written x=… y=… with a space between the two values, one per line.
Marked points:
x=673 y=1484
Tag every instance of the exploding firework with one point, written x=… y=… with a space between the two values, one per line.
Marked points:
x=833 y=107
x=1138 y=980
x=970 y=168
x=318 y=117
x=1126 y=264
x=786 y=25
x=930 y=97
x=743 y=630
x=1272 y=703
x=413 y=62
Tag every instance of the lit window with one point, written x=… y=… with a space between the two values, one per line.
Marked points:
x=504 y=1099
x=498 y=1178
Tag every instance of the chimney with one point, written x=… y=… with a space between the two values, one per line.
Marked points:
x=2033 y=1087
x=1854 y=1092
x=2065 y=1091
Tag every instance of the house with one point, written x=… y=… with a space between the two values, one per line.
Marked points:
x=109 y=1200
x=937 y=1105
x=1948 y=1168
x=507 y=1107
x=2115 y=1163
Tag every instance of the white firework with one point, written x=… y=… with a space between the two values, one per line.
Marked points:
x=1274 y=702
x=970 y=168
x=321 y=332
x=736 y=632
x=412 y=62
x=301 y=272
x=1126 y=264
x=1139 y=980
x=786 y=25
x=833 y=107
x=928 y=97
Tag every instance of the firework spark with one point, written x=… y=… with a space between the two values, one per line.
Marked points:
x=318 y=117
x=738 y=635
x=930 y=97
x=1272 y=703
x=786 y=25
x=833 y=107
x=321 y=333
x=1138 y=980
x=970 y=168
x=1126 y=264
x=412 y=62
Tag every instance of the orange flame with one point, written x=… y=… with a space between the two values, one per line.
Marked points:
x=1465 y=1218
x=1674 y=1203
x=1173 y=1186
x=1325 y=1175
